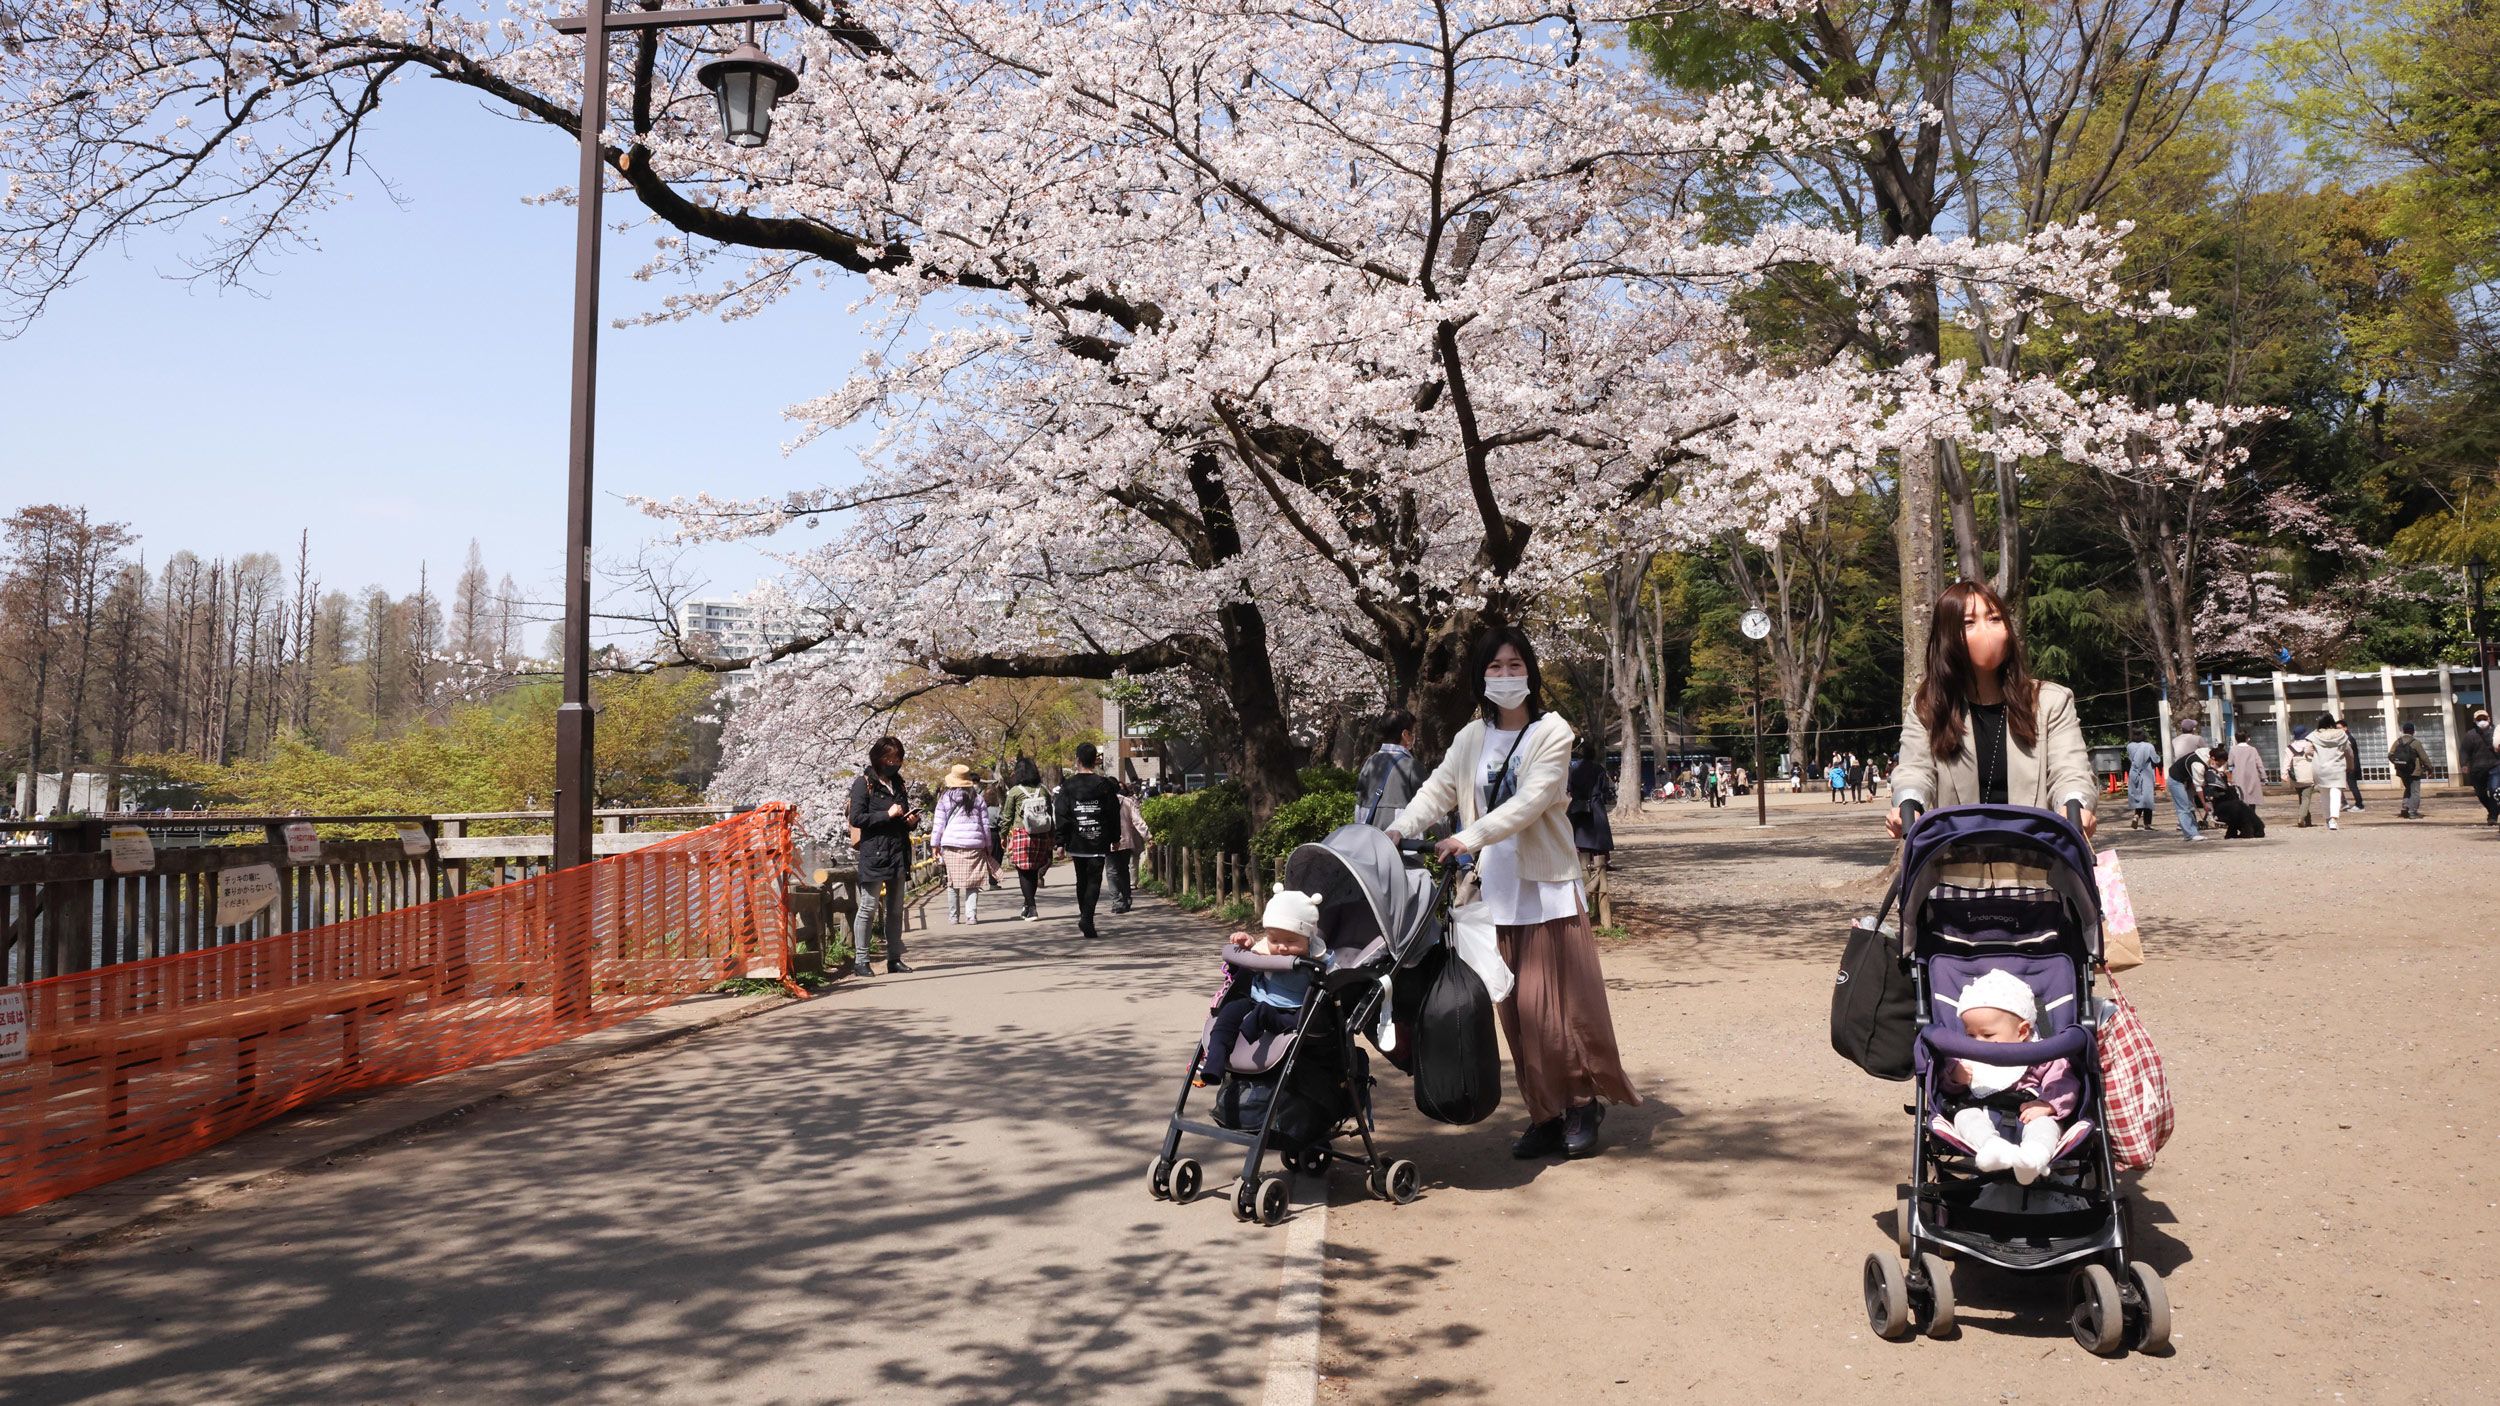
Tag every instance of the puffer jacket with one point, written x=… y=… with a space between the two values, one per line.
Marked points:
x=2335 y=760
x=962 y=821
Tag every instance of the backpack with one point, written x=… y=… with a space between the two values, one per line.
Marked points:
x=1457 y=1059
x=1034 y=814
x=2304 y=763
x=2183 y=770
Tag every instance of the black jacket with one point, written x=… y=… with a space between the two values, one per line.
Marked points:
x=884 y=840
x=1592 y=831
x=1087 y=809
x=2475 y=754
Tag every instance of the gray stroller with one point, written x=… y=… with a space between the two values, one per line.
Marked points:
x=1299 y=1092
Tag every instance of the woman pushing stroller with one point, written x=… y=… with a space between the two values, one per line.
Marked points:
x=1507 y=775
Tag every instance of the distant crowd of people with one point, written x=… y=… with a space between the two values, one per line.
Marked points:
x=2216 y=784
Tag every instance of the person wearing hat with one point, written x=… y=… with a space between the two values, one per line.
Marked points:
x=1986 y=1102
x=1273 y=1005
x=2480 y=762
x=2410 y=763
x=961 y=831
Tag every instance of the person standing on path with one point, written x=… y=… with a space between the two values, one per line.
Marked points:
x=2410 y=763
x=1592 y=830
x=1030 y=822
x=1508 y=775
x=2480 y=761
x=1981 y=729
x=2300 y=766
x=960 y=828
x=2248 y=773
x=1134 y=837
x=2334 y=761
x=1389 y=776
x=881 y=812
x=1088 y=816
x=2143 y=779
x=2183 y=796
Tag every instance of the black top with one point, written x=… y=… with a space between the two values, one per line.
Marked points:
x=884 y=841
x=1987 y=728
x=1088 y=814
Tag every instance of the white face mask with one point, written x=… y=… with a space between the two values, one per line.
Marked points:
x=1505 y=693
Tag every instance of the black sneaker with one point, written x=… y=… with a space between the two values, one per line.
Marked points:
x=896 y=968
x=1540 y=1140
x=1579 y=1136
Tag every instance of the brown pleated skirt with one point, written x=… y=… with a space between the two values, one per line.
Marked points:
x=1561 y=1035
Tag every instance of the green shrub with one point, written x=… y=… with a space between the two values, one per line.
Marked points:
x=1215 y=820
x=1324 y=778
x=1299 y=822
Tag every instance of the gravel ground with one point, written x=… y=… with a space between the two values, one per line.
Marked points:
x=2327 y=1005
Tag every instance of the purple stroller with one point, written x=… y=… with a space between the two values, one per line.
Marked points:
x=2073 y=1218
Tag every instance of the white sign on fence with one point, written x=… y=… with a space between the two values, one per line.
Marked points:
x=244 y=892
x=133 y=852
x=413 y=839
x=302 y=845
x=12 y=1026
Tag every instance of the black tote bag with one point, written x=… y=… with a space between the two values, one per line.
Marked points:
x=1875 y=1001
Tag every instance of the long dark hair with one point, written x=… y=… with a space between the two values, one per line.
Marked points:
x=1027 y=774
x=1489 y=644
x=1951 y=680
x=877 y=751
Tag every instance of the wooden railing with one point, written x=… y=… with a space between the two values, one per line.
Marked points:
x=66 y=907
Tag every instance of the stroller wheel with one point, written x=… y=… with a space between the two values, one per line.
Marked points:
x=1186 y=1179
x=1932 y=1274
x=1314 y=1161
x=1246 y=1201
x=1274 y=1194
x=1399 y=1181
x=1159 y=1179
x=1887 y=1292
x=2097 y=1317
x=2148 y=1329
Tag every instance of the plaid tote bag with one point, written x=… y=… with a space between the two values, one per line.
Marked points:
x=2140 y=1112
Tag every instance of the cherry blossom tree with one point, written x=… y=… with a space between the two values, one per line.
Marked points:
x=1269 y=346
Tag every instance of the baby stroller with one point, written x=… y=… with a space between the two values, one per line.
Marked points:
x=2072 y=1218
x=1297 y=1092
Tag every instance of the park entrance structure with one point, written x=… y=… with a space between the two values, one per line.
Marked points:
x=111 y=1071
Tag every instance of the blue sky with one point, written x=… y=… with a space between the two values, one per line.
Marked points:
x=402 y=388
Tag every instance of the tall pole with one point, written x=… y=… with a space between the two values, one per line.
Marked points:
x=1761 y=790
x=573 y=799
x=2482 y=642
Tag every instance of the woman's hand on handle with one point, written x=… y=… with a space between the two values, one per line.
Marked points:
x=1892 y=822
x=1448 y=848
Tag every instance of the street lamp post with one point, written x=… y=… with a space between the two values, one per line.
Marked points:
x=2475 y=570
x=747 y=85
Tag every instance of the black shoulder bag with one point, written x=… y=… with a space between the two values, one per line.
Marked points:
x=1875 y=997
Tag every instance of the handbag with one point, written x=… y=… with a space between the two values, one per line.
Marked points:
x=2122 y=943
x=1875 y=1000
x=2133 y=1086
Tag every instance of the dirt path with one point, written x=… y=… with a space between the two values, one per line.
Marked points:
x=2328 y=1006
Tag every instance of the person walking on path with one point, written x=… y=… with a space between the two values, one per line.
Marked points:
x=2334 y=761
x=2410 y=763
x=1389 y=776
x=1030 y=822
x=1981 y=729
x=960 y=828
x=2300 y=766
x=1088 y=816
x=1838 y=775
x=2183 y=796
x=2248 y=774
x=882 y=819
x=2480 y=761
x=1508 y=775
x=2143 y=779
x=1134 y=837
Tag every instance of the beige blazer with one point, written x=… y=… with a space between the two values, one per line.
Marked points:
x=2056 y=771
x=1534 y=813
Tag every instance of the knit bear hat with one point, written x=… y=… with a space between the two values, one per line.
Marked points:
x=1294 y=912
x=2000 y=991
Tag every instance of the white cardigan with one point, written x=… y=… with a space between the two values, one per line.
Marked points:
x=1534 y=814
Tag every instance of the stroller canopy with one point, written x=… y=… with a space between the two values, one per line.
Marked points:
x=2021 y=834
x=1365 y=890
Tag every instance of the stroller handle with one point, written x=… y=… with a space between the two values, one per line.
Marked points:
x=1250 y=961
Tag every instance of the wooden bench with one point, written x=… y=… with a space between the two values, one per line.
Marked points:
x=127 y=1043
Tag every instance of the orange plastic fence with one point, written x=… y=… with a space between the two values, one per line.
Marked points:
x=130 y=1066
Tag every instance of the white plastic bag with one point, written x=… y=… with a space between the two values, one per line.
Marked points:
x=1473 y=939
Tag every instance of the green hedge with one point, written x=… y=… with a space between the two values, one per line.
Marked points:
x=1313 y=817
x=1216 y=819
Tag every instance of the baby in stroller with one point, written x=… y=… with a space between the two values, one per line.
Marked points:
x=1987 y=1102
x=1273 y=1003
